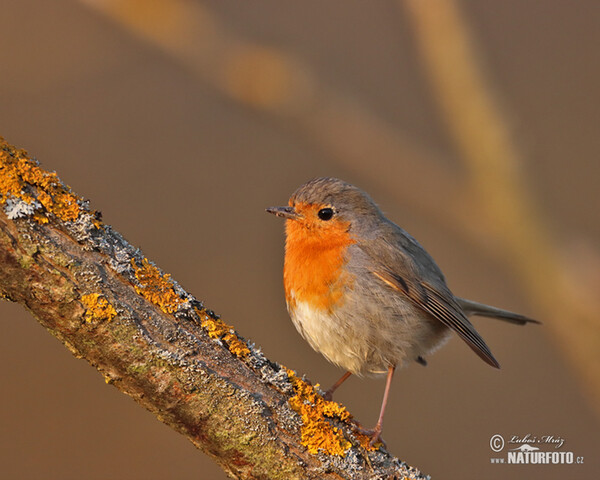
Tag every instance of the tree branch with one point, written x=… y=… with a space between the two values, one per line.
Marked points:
x=155 y=342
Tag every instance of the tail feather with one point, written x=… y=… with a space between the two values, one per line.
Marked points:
x=475 y=308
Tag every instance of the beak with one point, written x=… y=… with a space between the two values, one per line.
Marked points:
x=285 y=212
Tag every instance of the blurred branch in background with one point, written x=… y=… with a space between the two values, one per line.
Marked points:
x=283 y=88
x=474 y=120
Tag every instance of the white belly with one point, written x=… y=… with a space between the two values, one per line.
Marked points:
x=327 y=334
x=368 y=341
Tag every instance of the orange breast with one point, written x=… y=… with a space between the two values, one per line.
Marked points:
x=314 y=259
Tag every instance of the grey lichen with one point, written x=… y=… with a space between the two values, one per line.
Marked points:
x=17 y=208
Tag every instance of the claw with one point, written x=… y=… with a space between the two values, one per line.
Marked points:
x=374 y=433
x=376 y=437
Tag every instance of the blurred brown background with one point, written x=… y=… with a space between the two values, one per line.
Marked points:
x=181 y=121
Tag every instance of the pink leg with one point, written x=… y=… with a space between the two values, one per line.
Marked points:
x=379 y=427
x=329 y=393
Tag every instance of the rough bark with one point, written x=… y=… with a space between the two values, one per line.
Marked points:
x=155 y=342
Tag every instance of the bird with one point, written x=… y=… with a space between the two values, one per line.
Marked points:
x=364 y=293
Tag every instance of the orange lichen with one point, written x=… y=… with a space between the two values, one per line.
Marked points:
x=97 y=308
x=218 y=329
x=317 y=433
x=155 y=287
x=21 y=178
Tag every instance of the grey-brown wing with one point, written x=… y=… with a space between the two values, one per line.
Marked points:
x=423 y=284
x=442 y=307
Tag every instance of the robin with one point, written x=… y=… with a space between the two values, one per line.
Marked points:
x=365 y=293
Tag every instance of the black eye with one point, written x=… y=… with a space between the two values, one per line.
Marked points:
x=325 y=213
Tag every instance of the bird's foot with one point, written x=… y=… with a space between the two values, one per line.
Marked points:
x=374 y=433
